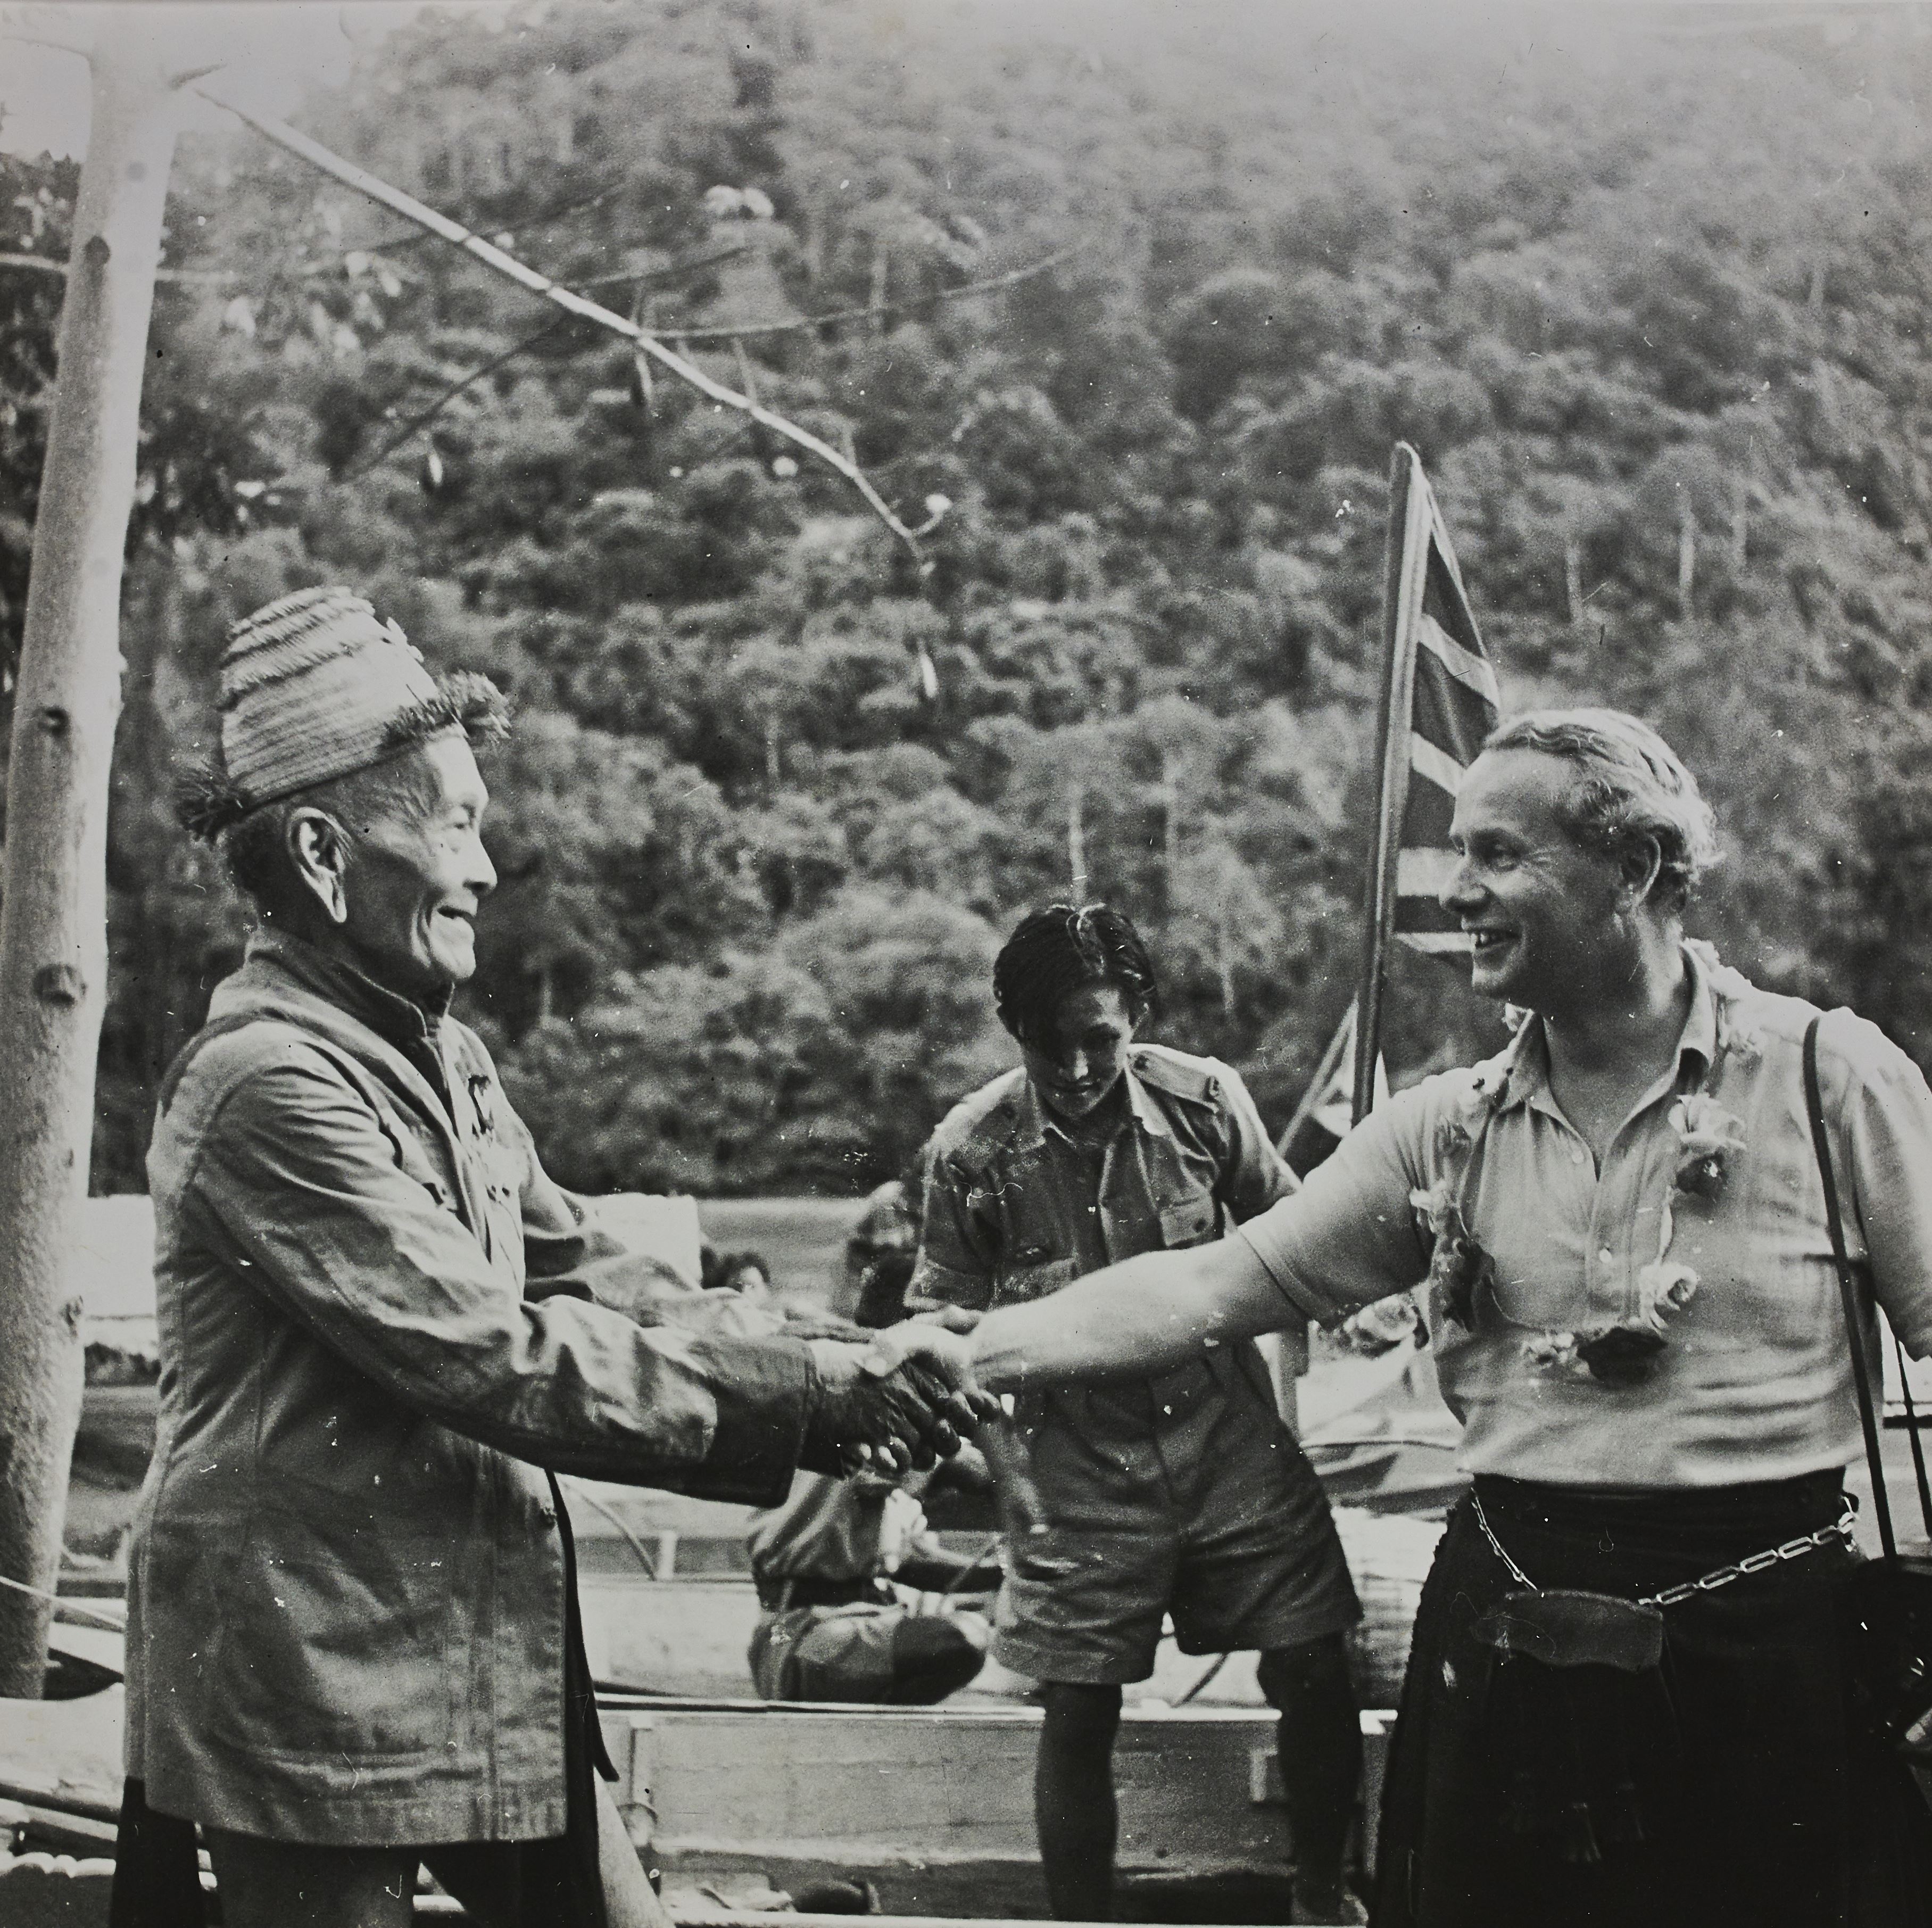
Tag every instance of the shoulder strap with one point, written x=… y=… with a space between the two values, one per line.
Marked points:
x=1848 y=1291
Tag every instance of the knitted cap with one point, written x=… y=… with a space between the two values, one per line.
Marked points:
x=313 y=687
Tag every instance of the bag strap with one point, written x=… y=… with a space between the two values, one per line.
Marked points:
x=1848 y=1291
x=1911 y=1423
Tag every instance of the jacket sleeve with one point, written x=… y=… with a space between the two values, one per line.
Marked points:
x=566 y=1251
x=300 y=1189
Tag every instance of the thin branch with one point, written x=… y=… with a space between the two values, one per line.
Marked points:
x=335 y=270
x=557 y=213
x=674 y=272
x=16 y=30
x=1005 y=281
x=378 y=190
x=417 y=422
x=207 y=276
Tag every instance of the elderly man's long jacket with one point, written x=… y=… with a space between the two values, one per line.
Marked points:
x=346 y=1598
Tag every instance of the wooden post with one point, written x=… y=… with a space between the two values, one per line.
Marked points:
x=53 y=945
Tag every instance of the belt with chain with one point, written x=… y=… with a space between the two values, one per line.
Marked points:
x=1705 y=1583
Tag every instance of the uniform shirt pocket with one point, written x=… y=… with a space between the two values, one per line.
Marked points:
x=1022 y=1282
x=1191 y=1221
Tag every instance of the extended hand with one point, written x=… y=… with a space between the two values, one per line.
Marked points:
x=944 y=1346
x=884 y=1416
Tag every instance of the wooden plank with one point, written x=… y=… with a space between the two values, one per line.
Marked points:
x=943 y=1785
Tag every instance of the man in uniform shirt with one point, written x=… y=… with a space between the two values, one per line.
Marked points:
x=1181 y=1494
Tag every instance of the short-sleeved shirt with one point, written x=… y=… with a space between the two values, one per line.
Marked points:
x=1183 y=1495
x=1017 y=1205
x=1755 y=1381
x=833 y=1530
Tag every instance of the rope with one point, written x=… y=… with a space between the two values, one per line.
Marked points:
x=1219 y=1661
x=973 y=1566
x=66 y=1609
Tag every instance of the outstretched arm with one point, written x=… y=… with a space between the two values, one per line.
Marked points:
x=1137 y=1318
x=1349 y=1237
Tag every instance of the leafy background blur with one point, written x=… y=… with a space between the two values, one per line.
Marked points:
x=1649 y=293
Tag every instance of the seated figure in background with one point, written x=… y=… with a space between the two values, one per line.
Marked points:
x=825 y=1564
x=833 y=1629
x=748 y=1274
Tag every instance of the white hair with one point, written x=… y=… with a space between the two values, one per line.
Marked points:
x=1632 y=790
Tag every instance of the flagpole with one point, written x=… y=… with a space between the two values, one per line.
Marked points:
x=1404 y=578
x=1324 y=1076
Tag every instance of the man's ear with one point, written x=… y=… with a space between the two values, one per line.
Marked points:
x=318 y=848
x=1640 y=863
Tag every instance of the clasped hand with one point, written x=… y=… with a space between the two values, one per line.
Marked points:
x=894 y=1405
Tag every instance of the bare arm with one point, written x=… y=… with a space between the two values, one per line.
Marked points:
x=1350 y=1236
x=1135 y=1318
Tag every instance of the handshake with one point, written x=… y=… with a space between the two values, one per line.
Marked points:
x=901 y=1403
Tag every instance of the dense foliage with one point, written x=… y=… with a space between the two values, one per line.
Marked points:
x=1651 y=303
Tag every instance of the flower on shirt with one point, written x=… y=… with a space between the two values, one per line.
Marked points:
x=1710 y=1140
x=1664 y=1290
x=1623 y=1354
x=1553 y=1352
x=1382 y=1326
x=1458 y=1265
x=1458 y=1268
x=1729 y=987
x=1437 y=1206
x=1708 y=1137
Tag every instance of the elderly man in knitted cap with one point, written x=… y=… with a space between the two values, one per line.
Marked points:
x=353 y=1644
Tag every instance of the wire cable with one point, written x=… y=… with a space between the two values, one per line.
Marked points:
x=617 y=1520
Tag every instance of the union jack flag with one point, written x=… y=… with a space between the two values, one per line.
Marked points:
x=1451 y=705
x=1438 y=702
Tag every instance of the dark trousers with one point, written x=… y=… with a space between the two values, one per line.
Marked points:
x=1726 y=1787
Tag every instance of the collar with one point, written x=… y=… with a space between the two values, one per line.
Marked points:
x=397 y=1019
x=1525 y=1065
x=1036 y=1122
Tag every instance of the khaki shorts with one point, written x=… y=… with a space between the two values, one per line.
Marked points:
x=1222 y=1525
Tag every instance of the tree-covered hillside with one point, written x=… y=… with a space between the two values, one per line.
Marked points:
x=1647 y=289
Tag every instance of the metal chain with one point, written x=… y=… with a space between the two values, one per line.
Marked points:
x=1755 y=1562
x=1496 y=1547
x=1705 y=1583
